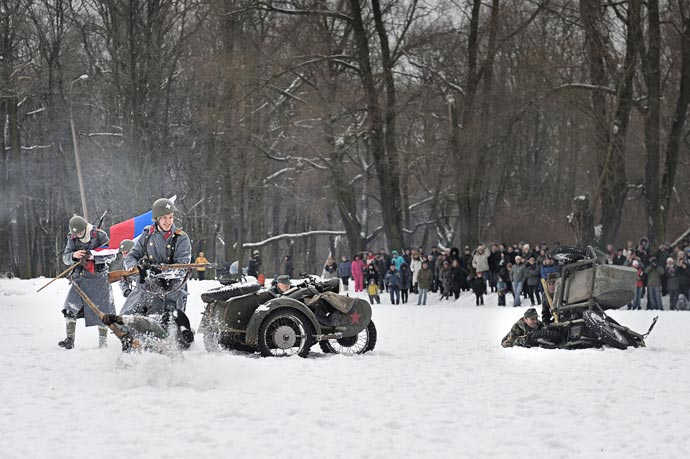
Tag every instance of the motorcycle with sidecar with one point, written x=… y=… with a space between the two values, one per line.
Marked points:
x=246 y=317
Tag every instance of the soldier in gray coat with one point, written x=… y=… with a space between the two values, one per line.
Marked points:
x=126 y=283
x=161 y=292
x=91 y=276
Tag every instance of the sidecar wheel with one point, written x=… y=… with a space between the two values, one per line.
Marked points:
x=285 y=333
x=229 y=291
x=362 y=342
x=611 y=336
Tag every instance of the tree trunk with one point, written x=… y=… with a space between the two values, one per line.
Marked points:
x=596 y=45
x=676 y=131
x=382 y=141
x=21 y=262
x=613 y=184
x=651 y=64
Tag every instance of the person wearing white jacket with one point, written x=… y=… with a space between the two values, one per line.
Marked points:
x=415 y=266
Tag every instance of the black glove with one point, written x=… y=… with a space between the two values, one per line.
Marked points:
x=144 y=264
x=110 y=319
x=155 y=269
x=127 y=292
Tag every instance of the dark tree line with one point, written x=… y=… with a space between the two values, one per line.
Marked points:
x=344 y=125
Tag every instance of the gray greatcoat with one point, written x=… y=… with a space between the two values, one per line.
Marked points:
x=165 y=291
x=94 y=284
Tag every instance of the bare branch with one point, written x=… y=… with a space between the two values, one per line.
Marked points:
x=264 y=6
x=293 y=236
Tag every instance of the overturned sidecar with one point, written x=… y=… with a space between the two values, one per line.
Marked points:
x=246 y=317
x=578 y=298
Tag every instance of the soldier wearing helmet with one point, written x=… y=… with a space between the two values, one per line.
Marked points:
x=91 y=276
x=127 y=282
x=161 y=292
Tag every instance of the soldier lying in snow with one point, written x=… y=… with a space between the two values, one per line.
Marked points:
x=520 y=331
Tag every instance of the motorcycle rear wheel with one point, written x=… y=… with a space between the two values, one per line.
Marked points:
x=285 y=333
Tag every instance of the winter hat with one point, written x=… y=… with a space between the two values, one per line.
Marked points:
x=531 y=312
x=669 y=261
x=283 y=279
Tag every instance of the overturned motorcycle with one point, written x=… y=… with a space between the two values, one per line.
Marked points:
x=246 y=317
x=578 y=299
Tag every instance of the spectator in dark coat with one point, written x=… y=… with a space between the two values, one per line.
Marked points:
x=446 y=280
x=504 y=275
x=405 y=282
x=672 y=282
x=619 y=258
x=424 y=279
x=479 y=288
x=458 y=276
x=372 y=273
x=288 y=266
x=381 y=265
x=654 y=272
x=533 y=280
x=494 y=266
x=392 y=282
x=254 y=265
x=518 y=275
x=345 y=271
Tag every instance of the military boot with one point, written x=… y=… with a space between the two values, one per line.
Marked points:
x=71 y=327
x=102 y=337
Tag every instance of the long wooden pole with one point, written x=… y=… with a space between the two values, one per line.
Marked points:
x=62 y=274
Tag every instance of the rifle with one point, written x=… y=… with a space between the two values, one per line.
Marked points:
x=549 y=299
x=121 y=334
x=99 y=222
x=185 y=266
x=62 y=274
x=115 y=276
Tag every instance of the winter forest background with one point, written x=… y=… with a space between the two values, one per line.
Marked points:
x=394 y=123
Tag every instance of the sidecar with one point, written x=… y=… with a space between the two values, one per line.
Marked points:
x=311 y=312
x=586 y=287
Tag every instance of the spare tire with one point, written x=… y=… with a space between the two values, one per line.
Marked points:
x=603 y=330
x=229 y=291
x=569 y=254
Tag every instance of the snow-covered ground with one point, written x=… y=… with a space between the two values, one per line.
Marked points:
x=438 y=385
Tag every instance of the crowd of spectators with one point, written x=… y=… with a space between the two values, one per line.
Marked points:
x=508 y=270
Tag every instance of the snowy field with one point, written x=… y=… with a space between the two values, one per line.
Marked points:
x=438 y=385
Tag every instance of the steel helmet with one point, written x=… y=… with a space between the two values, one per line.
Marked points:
x=77 y=224
x=126 y=245
x=162 y=207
